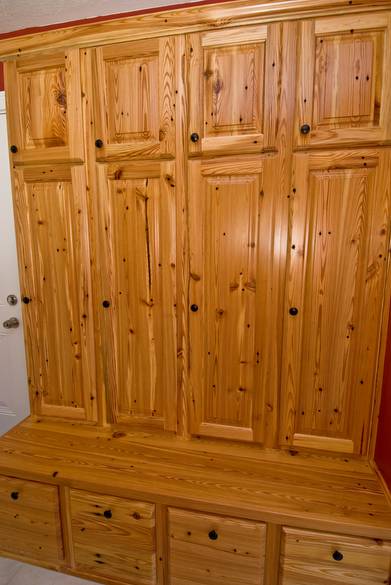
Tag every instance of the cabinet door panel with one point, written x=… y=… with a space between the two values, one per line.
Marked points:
x=113 y=538
x=229 y=108
x=44 y=95
x=206 y=549
x=134 y=99
x=332 y=559
x=339 y=241
x=30 y=523
x=136 y=274
x=231 y=230
x=344 y=95
x=52 y=233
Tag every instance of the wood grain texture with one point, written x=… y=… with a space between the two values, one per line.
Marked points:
x=343 y=93
x=51 y=220
x=183 y=20
x=30 y=521
x=205 y=549
x=335 y=494
x=307 y=557
x=114 y=538
x=339 y=238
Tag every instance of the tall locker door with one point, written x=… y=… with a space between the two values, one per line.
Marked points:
x=231 y=231
x=339 y=230
x=344 y=92
x=135 y=184
x=233 y=83
x=54 y=264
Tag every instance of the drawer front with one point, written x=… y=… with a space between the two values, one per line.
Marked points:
x=114 y=538
x=30 y=523
x=329 y=559
x=208 y=550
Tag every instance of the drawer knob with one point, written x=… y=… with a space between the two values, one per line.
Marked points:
x=108 y=514
x=14 y=149
x=194 y=308
x=25 y=300
x=14 y=495
x=98 y=143
x=293 y=311
x=194 y=137
x=337 y=556
x=213 y=535
x=106 y=304
x=305 y=129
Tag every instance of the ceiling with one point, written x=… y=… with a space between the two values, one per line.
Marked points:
x=18 y=14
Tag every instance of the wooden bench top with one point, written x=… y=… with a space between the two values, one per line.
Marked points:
x=334 y=493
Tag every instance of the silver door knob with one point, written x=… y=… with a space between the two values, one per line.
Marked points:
x=11 y=323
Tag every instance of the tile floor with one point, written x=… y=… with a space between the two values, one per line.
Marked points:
x=15 y=573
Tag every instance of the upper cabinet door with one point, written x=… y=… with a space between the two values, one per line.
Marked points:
x=335 y=292
x=134 y=99
x=233 y=90
x=54 y=264
x=44 y=94
x=344 y=91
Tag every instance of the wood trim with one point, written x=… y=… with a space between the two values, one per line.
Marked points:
x=65 y=513
x=382 y=480
x=273 y=550
x=183 y=20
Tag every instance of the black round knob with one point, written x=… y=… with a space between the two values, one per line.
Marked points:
x=305 y=129
x=108 y=514
x=25 y=300
x=14 y=149
x=98 y=143
x=14 y=495
x=293 y=311
x=106 y=304
x=194 y=137
x=194 y=308
x=213 y=535
x=337 y=556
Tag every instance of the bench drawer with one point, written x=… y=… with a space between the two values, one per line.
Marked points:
x=212 y=550
x=330 y=559
x=113 y=538
x=30 y=525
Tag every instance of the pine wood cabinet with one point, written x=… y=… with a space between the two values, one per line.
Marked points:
x=203 y=205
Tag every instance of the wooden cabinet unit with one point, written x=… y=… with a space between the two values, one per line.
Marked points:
x=203 y=216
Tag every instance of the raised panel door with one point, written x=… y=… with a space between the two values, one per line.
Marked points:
x=134 y=93
x=233 y=90
x=344 y=95
x=44 y=94
x=231 y=231
x=54 y=264
x=335 y=286
x=136 y=290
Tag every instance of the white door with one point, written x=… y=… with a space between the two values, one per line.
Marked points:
x=14 y=403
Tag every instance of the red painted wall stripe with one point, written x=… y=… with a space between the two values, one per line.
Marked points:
x=383 y=447
x=1 y=77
